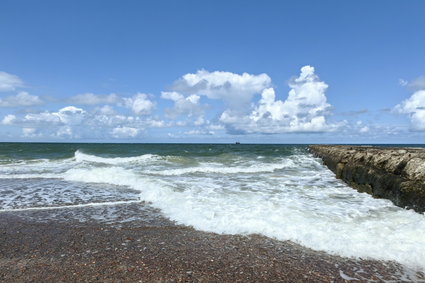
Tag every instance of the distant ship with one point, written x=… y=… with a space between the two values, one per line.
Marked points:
x=237 y=143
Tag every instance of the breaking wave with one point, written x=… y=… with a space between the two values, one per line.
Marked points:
x=81 y=157
x=287 y=196
x=332 y=218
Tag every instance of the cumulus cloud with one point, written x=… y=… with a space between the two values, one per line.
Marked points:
x=304 y=110
x=234 y=89
x=21 y=99
x=74 y=122
x=125 y=132
x=93 y=99
x=60 y=122
x=139 y=104
x=69 y=115
x=250 y=105
x=9 y=82
x=414 y=106
x=9 y=119
x=57 y=124
x=183 y=105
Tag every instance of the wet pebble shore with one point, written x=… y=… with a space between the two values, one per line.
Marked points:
x=55 y=251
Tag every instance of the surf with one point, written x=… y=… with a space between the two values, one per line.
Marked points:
x=334 y=219
x=280 y=192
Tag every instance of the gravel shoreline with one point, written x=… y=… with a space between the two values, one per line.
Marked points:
x=60 y=251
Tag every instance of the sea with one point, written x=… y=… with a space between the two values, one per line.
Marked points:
x=279 y=191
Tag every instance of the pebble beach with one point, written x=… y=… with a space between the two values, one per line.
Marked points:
x=36 y=249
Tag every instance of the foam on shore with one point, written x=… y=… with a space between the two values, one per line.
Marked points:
x=286 y=197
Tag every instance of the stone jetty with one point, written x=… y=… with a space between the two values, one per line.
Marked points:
x=394 y=173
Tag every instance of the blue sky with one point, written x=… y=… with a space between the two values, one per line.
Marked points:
x=213 y=71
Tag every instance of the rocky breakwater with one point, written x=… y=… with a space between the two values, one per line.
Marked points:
x=393 y=173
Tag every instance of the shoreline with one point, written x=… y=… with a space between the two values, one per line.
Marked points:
x=161 y=251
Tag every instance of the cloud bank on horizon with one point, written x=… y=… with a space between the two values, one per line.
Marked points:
x=248 y=104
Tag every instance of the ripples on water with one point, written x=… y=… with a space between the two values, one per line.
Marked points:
x=280 y=191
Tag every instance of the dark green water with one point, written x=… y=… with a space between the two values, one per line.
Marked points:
x=67 y=150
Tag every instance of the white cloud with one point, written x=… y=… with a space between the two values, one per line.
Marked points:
x=181 y=123
x=199 y=132
x=360 y=127
x=69 y=115
x=200 y=121
x=73 y=122
x=364 y=129
x=66 y=131
x=234 y=89
x=44 y=118
x=155 y=123
x=414 y=106
x=21 y=99
x=172 y=95
x=304 y=110
x=215 y=127
x=418 y=120
x=183 y=105
x=139 y=104
x=9 y=82
x=93 y=99
x=124 y=132
x=250 y=106
x=106 y=110
x=416 y=84
x=9 y=119
x=29 y=132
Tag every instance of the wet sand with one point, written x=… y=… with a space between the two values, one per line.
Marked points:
x=161 y=251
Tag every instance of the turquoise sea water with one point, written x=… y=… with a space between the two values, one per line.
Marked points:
x=280 y=191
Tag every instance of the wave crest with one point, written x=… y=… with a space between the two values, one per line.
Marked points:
x=84 y=157
x=260 y=168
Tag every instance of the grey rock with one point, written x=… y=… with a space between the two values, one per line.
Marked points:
x=397 y=174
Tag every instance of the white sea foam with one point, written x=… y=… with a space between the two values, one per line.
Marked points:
x=40 y=168
x=292 y=198
x=308 y=206
x=31 y=176
x=81 y=157
x=69 y=206
x=220 y=169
